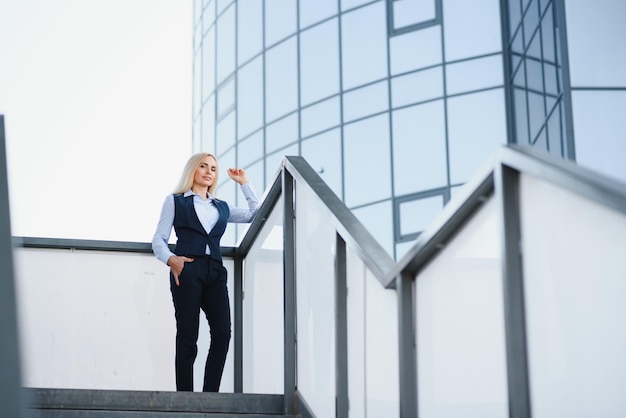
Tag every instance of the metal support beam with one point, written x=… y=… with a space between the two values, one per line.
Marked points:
x=341 y=330
x=289 y=289
x=507 y=191
x=10 y=378
x=407 y=347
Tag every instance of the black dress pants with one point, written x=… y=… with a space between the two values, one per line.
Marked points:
x=202 y=286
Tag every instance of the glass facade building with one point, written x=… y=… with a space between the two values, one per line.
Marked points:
x=397 y=103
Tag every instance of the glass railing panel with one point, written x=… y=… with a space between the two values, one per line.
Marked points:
x=315 y=296
x=381 y=345
x=355 y=309
x=100 y=320
x=574 y=263
x=263 y=348
x=372 y=343
x=461 y=362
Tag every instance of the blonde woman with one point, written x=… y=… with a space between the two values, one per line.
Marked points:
x=197 y=276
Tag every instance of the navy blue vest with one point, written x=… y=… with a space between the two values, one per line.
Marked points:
x=192 y=239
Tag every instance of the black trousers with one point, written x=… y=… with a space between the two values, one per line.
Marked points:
x=202 y=286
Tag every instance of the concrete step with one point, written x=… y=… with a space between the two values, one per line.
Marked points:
x=74 y=403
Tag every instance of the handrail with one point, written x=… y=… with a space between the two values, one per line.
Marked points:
x=564 y=173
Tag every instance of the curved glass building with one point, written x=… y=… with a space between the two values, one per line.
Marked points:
x=396 y=103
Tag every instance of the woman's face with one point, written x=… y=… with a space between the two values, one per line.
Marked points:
x=206 y=172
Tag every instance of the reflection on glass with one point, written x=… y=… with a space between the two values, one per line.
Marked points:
x=272 y=162
x=249 y=29
x=404 y=49
x=323 y=153
x=365 y=101
x=312 y=11
x=417 y=87
x=472 y=28
x=476 y=127
x=419 y=142
x=225 y=96
x=474 y=74
x=281 y=79
x=225 y=44
x=364 y=52
x=416 y=215
x=281 y=133
x=280 y=20
x=320 y=116
x=225 y=137
x=378 y=219
x=250 y=97
x=599 y=127
x=208 y=64
x=250 y=150
x=594 y=31
x=367 y=161
x=208 y=124
x=319 y=62
x=412 y=12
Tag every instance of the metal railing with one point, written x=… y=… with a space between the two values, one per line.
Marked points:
x=454 y=328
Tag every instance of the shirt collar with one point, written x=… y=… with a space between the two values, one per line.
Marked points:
x=191 y=193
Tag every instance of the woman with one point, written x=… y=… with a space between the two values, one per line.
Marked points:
x=197 y=276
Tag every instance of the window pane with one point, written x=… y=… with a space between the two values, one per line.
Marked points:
x=536 y=113
x=349 y=4
x=521 y=116
x=320 y=116
x=364 y=51
x=319 y=58
x=547 y=35
x=312 y=11
x=472 y=28
x=419 y=148
x=197 y=82
x=208 y=64
x=250 y=97
x=515 y=14
x=281 y=133
x=476 y=127
x=412 y=12
x=208 y=125
x=599 y=127
x=365 y=101
x=378 y=219
x=281 y=80
x=226 y=96
x=225 y=134
x=272 y=162
x=416 y=215
x=415 y=50
x=595 y=35
x=249 y=29
x=323 y=153
x=280 y=20
x=367 y=161
x=250 y=150
x=226 y=44
x=417 y=87
x=474 y=74
x=222 y=4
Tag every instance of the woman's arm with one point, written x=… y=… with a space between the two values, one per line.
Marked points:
x=163 y=231
x=242 y=215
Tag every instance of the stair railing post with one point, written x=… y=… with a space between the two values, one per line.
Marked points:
x=10 y=378
x=289 y=291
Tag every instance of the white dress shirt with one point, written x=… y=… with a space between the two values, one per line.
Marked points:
x=207 y=213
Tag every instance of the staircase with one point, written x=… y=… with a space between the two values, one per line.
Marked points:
x=75 y=403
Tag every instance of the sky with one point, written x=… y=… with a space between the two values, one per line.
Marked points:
x=96 y=96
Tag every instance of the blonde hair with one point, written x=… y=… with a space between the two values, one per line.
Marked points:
x=186 y=180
